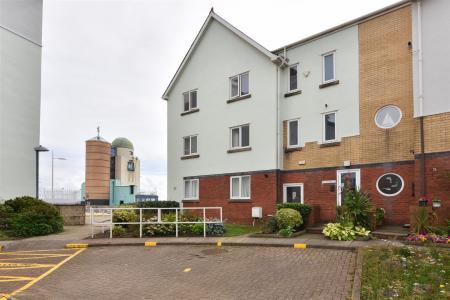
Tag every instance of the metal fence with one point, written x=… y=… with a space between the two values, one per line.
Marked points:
x=104 y=217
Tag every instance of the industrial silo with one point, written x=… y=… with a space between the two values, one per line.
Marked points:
x=98 y=155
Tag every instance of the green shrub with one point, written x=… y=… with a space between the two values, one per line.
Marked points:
x=157 y=204
x=125 y=215
x=118 y=230
x=303 y=209
x=6 y=213
x=41 y=219
x=215 y=229
x=358 y=207
x=286 y=232
x=288 y=217
x=20 y=204
x=271 y=225
x=338 y=231
x=160 y=229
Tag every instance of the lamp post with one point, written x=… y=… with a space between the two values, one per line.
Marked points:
x=53 y=159
x=38 y=149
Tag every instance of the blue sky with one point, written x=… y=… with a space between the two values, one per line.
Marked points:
x=107 y=63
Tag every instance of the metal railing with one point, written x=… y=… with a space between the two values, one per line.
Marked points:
x=107 y=215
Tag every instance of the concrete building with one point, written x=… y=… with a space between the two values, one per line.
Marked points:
x=112 y=172
x=20 y=94
x=249 y=127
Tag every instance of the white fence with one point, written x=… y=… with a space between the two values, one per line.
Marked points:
x=107 y=219
x=60 y=196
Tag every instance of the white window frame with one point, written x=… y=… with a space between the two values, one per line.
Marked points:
x=240 y=187
x=339 y=184
x=390 y=195
x=190 y=144
x=239 y=85
x=190 y=185
x=240 y=137
x=286 y=185
x=324 y=141
x=289 y=133
x=334 y=66
x=189 y=93
x=289 y=78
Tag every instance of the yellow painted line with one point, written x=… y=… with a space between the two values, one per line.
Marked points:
x=32 y=257
x=219 y=244
x=31 y=283
x=15 y=278
x=300 y=246
x=17 y=266
x=28 y=251
x=187 y=270
x=31 y=254
x=150 y=244
x=76 y=246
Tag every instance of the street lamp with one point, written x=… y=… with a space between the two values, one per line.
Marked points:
x=38 y=149
x=53 y=159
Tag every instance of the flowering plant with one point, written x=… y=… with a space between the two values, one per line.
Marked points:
x=431 y=237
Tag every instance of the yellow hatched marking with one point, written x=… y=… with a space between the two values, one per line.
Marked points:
x=15 y=278
x=32 y=282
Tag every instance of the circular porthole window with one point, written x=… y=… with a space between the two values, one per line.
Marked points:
x=390 y=184
x=388 y=116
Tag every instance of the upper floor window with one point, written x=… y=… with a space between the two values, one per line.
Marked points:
x=329 y=67
x=240 y=187
x=130 y=166
x=239 y=85
x=293 y=133
x=190 y=145
x=191 y=189
x=293 y=78
x=329 y=127
x=190 y=100
x=240 y=136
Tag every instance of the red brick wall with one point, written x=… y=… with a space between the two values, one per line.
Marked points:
x=215 y=191
x=437 y=170
x=316 y=193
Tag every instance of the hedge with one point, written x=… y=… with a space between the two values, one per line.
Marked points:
x=303 y=209
x=156 y=204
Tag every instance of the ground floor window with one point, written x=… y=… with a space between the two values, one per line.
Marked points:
x=240 y=187
x=191 y=189
x=293 y=192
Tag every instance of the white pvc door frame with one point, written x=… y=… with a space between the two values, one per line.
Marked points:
x=340 y=184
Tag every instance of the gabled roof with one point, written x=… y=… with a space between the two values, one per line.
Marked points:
x=212 y=15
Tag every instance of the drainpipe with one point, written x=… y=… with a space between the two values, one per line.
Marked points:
x=423 y=185
x=278 y=132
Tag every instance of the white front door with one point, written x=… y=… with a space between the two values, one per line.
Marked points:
x=347 y=178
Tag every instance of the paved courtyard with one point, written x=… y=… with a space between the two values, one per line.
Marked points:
x=199 y=272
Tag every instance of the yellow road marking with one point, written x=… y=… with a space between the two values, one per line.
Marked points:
x=31 y=283
x=28 y=251
x=16 y=266
x=31 y=254
x=300 y=246
x=33 y=257
x=15 y=278
x=187 y=270
x=219 y=244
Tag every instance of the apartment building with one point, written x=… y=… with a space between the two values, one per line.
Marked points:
x=248 y=127
x=20 y=95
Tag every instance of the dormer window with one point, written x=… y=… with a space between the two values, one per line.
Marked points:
x=190 y=101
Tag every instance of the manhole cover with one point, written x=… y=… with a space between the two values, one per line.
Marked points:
x=214 y=251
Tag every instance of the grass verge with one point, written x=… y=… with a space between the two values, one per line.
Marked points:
x=406 y=273
x=240 y=229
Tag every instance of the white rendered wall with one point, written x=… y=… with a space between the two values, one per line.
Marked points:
x=219 y=55
x=436 y=57
x=20 y=88
x=309 y=106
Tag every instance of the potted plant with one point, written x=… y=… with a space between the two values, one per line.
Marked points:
x=436 y=203
x=423 y=201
